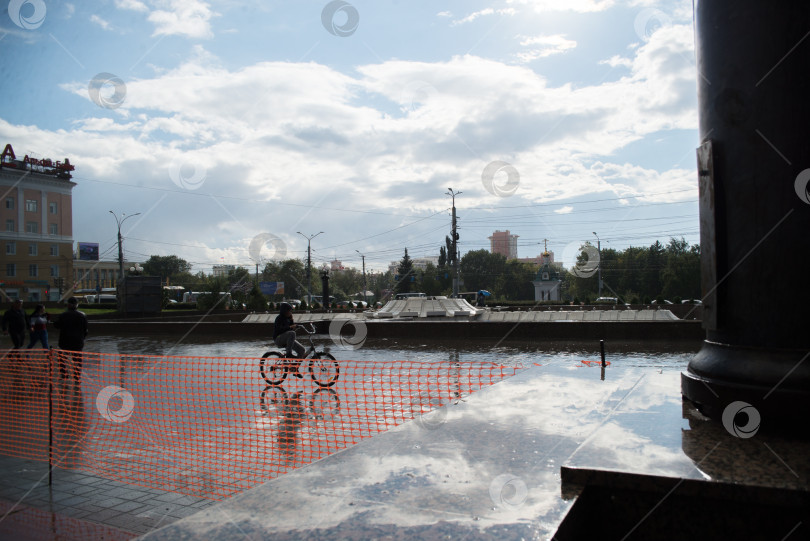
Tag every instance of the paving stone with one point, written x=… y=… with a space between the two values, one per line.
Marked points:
x=128 y=506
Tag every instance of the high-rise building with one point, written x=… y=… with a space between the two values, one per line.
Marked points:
x=36 y=227
x=501 y=242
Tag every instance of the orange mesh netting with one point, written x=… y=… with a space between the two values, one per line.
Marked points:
x=210 y=426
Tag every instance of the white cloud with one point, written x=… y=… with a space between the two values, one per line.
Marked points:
x=444 y=14
x=488 y=11
x=544 y=46
x=282 y=132
x=182 y=17
x=95 y=19
x=190 y=18
x=564 y=210
x=581 y=6
x=132 y=5
x=616 y=60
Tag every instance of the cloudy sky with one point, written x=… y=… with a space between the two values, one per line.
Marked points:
x=222 y=120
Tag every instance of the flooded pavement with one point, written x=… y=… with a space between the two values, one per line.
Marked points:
x=489 y=466
x=206 y=426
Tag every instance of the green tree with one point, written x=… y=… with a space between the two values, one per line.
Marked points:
x=442 y=256
x=481 y=269
x=515 y=284
x=405 y=274
x=293 y=273
x=166 y=266
x=430 y=285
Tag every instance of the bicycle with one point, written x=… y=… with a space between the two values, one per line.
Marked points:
x=324 y=403
x=323 y=368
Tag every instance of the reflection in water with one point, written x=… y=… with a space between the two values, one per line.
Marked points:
x=194 y=424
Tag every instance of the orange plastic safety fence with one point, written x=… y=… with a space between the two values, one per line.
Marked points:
x=211 y=426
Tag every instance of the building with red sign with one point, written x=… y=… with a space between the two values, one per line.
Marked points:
x=36 y=227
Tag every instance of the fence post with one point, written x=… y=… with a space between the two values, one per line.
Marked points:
x=50 y=417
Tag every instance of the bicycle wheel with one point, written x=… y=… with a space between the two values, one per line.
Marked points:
x=272 y=400
x=325 y=403
x=276 y=372
x=324 y=369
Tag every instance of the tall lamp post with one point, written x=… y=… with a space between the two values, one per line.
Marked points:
x=365 y=299
x=454 y=238
x=120 y=221
x=599 y=251
x=309 y=264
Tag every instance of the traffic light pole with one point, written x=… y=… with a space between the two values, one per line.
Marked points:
x=365 y=299
x=454 y=246
x=309 y=265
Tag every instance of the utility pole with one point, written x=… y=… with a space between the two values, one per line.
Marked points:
x=454 y=238
x=309 y=265
x=599 y=251
x=365 y=299
x=120 y=222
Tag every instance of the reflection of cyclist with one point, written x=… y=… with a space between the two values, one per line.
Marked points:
x=284 y=332
x=290 y=423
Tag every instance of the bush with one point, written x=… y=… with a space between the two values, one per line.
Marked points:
x=659 y=299
x=677 y=300
x=180 y=306
x=635 y=300
x=99 y=305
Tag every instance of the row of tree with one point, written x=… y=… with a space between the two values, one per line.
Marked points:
x=635 y=274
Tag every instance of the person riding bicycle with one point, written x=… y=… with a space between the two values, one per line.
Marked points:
x=284 y=332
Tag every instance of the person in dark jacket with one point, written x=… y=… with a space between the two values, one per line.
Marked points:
x=15 y=323
x=72 y=325
x=284 y=332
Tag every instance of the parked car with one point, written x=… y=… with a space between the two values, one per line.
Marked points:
x=346 y=305
x=613 y=300
x=691 y=301
x=361 y=304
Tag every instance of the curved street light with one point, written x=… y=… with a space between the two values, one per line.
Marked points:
x=120 y=221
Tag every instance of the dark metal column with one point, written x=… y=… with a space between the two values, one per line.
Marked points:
x=753 y=61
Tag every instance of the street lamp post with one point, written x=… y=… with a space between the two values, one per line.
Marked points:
x=454 y=238
x=365 y=299
x=599 y=251
x=309 y=264
x=120 y=221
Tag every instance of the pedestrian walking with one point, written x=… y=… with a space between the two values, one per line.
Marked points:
x=72 y=325
x=39 y=326
x=14 y=324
